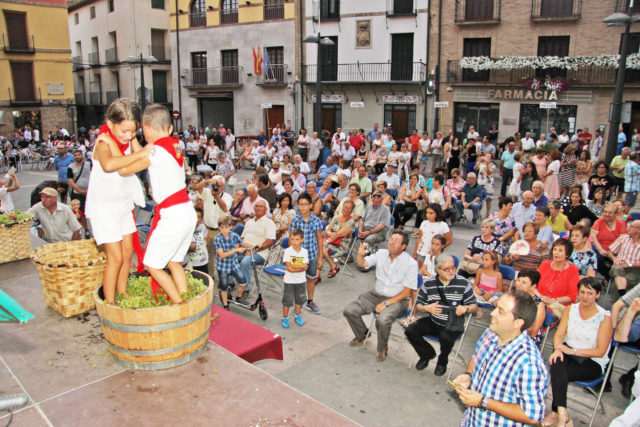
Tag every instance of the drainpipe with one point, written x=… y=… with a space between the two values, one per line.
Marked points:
x=436 y=112
x=178 y=78
x=425 y=123
x=302 y=24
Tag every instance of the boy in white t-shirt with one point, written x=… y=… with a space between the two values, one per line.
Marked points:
x=7 y=185
x=296 y=259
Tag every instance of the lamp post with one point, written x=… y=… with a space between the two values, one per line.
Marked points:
x=317 y=116
x=618 y=19
x=135 y=60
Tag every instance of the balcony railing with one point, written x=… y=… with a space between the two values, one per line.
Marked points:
x=161 y=52
x=621 y=6
x=584 y=75
x=555 y=10
x=76 y=62
x=206 y=77
x=95 y=98
x=24 y=100
x=198 y=19
x=401 y=8
x=471 y=12
x=273 y=11
x=276 y=75
x=11 y=45
x=111 y=56
x=229 y=16
x=80 y=99
x=94 y=58
x=112 y=96
x=359 y=72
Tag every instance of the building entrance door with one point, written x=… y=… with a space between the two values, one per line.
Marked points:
x=274 y=116
x=481 y=116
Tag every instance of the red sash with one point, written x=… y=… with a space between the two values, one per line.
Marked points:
x=105 y=129
x=173 y=148
x=176 y=198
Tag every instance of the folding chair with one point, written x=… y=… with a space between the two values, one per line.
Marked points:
x=632 y=349
x=509 y=274
x=144 y=227
x=275 y=272
x=590 y=386
x=343 y=260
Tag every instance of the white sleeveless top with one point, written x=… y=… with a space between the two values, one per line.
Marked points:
x=110 y=194
x=583 y=334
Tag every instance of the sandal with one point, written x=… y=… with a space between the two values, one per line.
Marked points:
x=333 y=272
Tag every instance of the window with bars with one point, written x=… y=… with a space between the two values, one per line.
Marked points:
x=198 y=13
x=229 y=12
x=276 y=70
x=273 y=9
x=199 y=68
x=230 y=72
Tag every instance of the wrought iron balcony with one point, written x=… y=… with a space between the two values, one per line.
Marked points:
x=275 y=75
x=621 y=6
x=555 y=10
x=76 y=62
x=111 y=56
x=475 y=12
x=95 y=98
x=213 y=77
x=385 y=72
x=401 y=8
x=18 y=45
x=198 y=19
x=229 y=16
x=584 y=75
x=273 y=11
x=80 y=98
x=29 y=97
x=94 y=58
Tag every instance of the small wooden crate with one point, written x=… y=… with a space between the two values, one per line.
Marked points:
x=16 y=241
x=70 y=272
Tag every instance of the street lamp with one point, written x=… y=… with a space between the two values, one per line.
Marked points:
x=135 y=60
x=320 y=41
x=618 y=19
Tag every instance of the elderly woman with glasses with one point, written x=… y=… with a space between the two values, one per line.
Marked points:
x=441 y=297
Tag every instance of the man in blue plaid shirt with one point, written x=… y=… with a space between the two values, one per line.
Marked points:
x=312 y=228
x=631 y=181
x=506 y=380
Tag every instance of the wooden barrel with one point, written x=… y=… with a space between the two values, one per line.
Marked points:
x=158 y=337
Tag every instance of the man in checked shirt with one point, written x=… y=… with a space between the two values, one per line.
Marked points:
x=506 y=380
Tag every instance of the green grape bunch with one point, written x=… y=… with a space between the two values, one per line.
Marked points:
x=140 y=295
x=11 y=217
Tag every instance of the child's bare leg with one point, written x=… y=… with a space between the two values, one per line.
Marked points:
x=488 y=208
x=285 y=311
x=125 y=268
x=114 y=262
x=179 y=276
x=298 y=309
x=224 y=297
x=166 y=283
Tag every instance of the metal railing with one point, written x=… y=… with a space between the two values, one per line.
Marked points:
x=276 y=74
x=584 y=75
x=111 y=55
x=621 y=6
x=222 y=76
x=368 y=72
x=95 y=98
x=160 y=52
x=329 y=10
x=229 y=16
x=556 y=10
x=401 y=7
x=478 y=11
x=37 y=98
x=273 y=11
x=11 y=45
x=198 y=19
x=94 y=58
x=80 y=98
x=76 y=62
x=112 y=96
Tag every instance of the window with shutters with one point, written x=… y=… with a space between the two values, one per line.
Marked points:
x=229 y=66
x=92 y=12
x=553 y=46
x=329 y=60
x=633 y=46
x=158 y=48
x=476 y=47
x=18 y=37
x=329 y=10
x=401 y=56
x=23 y=83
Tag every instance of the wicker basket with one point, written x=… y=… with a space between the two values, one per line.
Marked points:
x=70 y=272
x=16 y=241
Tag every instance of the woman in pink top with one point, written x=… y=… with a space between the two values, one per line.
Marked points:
x=603 y=233
x=540 y=160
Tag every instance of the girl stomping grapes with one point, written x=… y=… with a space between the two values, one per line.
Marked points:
x=111 y=197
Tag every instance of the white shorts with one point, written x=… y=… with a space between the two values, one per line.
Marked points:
x=111 y=229
x=171 y=238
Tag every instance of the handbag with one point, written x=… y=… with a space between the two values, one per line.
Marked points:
x=455 y=323
x=470 y=267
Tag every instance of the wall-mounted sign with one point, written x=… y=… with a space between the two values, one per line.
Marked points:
x=547 y=105
x=441 y=104
x=334 y=98
x=541 y=95
x=55 y=88
x=400 y=99
x=265 y=106
x=357 y=105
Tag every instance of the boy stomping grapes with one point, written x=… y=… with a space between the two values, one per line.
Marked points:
x=296 y=259
x=175 y=219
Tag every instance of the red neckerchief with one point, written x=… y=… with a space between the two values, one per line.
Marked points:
x=172 y=146
x=105 y=129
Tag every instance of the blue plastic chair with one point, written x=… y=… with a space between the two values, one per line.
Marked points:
x=274 y=271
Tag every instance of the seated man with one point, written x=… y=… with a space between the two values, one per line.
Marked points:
x=259 y=232
x=304 y=166
x=626 y=265
x=248 y=206
x=627 y=330
x=326 y=170
x=441 y=296
x=471 y=197
x=539 y=198
x=363 y=181
x=390 y=177
x=58 y=223
x=396 y=278
x=372 y=227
